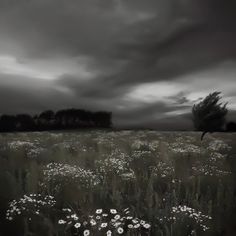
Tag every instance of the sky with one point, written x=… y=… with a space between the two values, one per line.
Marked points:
x=146 y=61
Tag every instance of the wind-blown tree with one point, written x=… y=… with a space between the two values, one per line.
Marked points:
x=209 y=114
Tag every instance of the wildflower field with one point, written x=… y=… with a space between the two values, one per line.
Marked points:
x=117 y=183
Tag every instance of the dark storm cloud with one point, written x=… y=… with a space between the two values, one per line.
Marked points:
x=146 y=113
x=189 y=43
x=123 y=44
x=179 y=98
x=196 y=36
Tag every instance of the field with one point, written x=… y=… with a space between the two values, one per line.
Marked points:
x=117 y=183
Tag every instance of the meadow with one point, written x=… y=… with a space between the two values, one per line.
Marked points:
x=117 y=183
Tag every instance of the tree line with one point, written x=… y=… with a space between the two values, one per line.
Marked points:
x=62 y=119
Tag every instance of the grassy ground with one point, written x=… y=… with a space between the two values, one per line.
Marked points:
x=117 y=183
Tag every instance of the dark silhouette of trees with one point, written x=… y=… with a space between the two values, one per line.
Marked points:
x=46 y=120
x=24 y=122
x=7 y=123
x=102 y=119
x=231 y=126
x=62 y=119
x=209 y=114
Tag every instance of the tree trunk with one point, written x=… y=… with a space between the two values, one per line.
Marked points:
x=203 y=134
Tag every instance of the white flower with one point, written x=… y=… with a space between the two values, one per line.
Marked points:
x=109 y=233
x=135 y=221
x=146 y=226
x=104 y=225
x=142 y=222
x=117 y=217
x=61 y=222
x=130 y=226
x=86 y=232
x=74 y=216
x=136 y=226
x=98 y=211
x=93 y=222
x=77 y=225
x=113 y=211
x=120 y=230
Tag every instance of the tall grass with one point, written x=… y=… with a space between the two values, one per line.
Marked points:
x=172 y=181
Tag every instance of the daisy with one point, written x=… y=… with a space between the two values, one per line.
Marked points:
x=77 y=225
x=120 y=230
x=109 y=233
x=86 y=232
x=61 y=222
x=146 y=226
x=98 y=211
x=136 y=226
x=104 y=225
x=93 y=222
x=117 y=217
x=113 y=211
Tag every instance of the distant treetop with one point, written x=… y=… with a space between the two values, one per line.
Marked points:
x=62 y=119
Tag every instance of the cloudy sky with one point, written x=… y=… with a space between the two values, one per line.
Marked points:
x=147 y=61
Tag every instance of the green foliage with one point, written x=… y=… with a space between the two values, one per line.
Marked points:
x=209 y=114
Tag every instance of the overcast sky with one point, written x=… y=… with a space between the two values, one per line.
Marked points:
x=147 y=61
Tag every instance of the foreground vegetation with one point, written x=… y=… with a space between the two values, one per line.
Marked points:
x=117 y=183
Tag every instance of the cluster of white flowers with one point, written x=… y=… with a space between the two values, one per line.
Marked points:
x=178 y=212
x=154 y=145
x=162 y=169
x=16 y=145
x=130 y=175
x=216 y=156
x=104 y=139
x=30 y=205
x=108 y=222
x=69 y=146
x=184 y=148
x=218 y=145
x=186 y=138
x=31 y=149
x=144 y=147
x=35 y=152
x=140 y=155
x=56 y=172
x=139 y=144
x=117 y=162
x=209 y=170
x=214 y=165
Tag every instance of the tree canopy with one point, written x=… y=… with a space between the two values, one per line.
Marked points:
x=209 y=114
x=62 y=119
